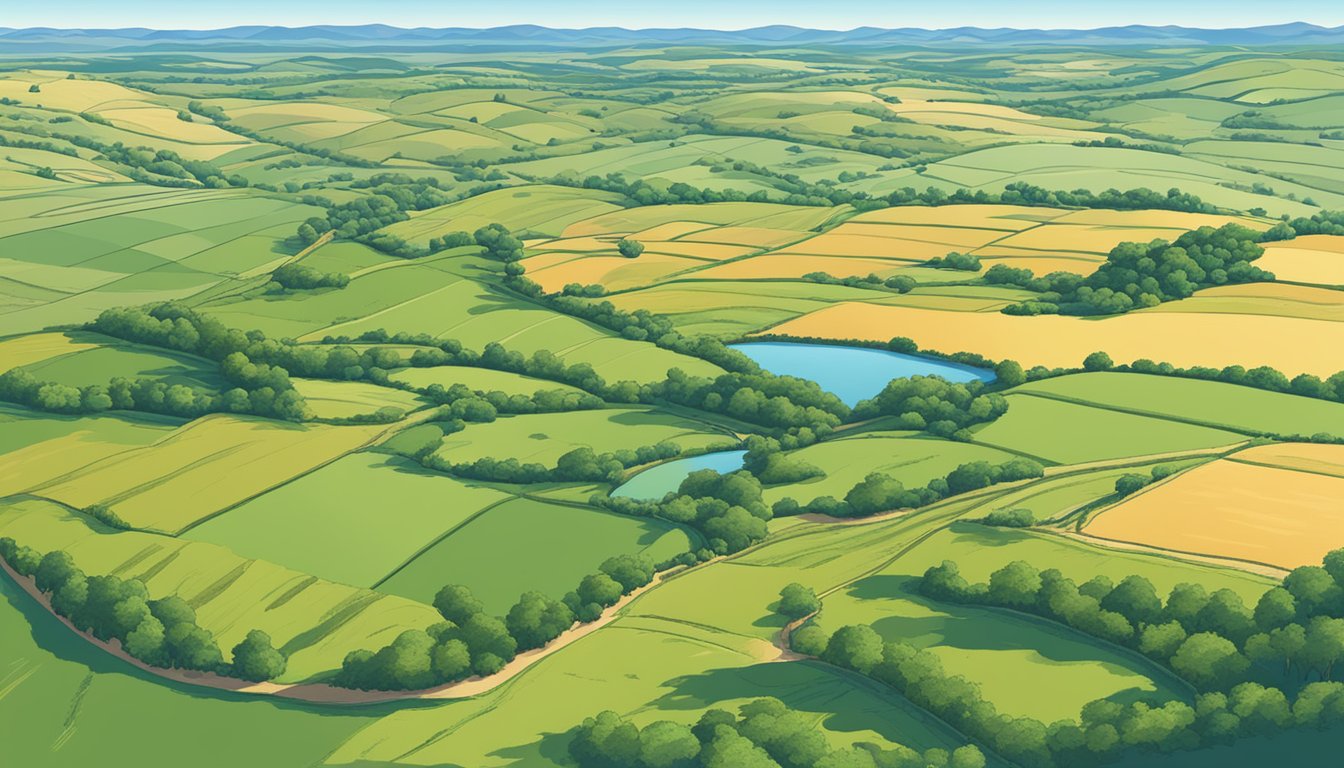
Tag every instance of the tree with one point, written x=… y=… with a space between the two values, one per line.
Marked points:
x=1129 y=483
x=797 y=601
x=665 y=744
x=1098 y=361
x=875 y=493
x=456 y=603
x=536 y=620
x=1015 y=585
x=855 y=647
x=1009 y=373
x=630 y=249
x=1276 y=608
x=1209 y=661
x=256 y=659
x=1136 y=599
x=599 y=588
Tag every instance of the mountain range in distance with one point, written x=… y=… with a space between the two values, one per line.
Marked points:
x=384 y=37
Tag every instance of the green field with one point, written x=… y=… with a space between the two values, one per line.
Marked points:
x=316 y=239
x=508 y=548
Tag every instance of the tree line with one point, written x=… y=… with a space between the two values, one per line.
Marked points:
x=581 y=464
x=161 y=633
x=727 y=509
x=300 y=277
x=1294 y=635
x=880 y=492
x=765 y=733
x=471 y=642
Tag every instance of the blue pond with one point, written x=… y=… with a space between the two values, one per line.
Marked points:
x=852 y=373
x=654 y=482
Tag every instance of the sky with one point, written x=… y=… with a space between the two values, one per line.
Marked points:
x=707 y=14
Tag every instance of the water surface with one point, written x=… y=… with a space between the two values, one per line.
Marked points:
x=852 y=373
x=655 y=482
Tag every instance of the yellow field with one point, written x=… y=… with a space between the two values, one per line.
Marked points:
x=670 y=230
x=205 y=466
x=26 y=350
x=1006 y=217
x=1321 y=459
x=1292 y=345
x=59 y=93
x=1273 y=299
x=759 y=237
x=1084 y=237
x=613 y=271
x=784 y=265
x=636 y=219
x=161 y=121
x=1309 y=259
x=839 y=242
x=1281 y=517
x=51 y=460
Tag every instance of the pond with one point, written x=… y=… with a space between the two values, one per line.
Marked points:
x=852 y=373
x=654 y=482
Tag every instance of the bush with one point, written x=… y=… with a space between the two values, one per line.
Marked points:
x=797 y=601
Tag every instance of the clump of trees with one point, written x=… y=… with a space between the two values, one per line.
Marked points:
x=1010 y=518
x=880 y=492
x=766 y=459
x=898 y=283
x=764 y=734
x=797 y=601
x=581 y=464
x=300 y=277
x=390 y=197
x=1136 y=275
x=935 y=405
x=161 y=633
x=1106 y=731
x=471 y=642
x=1293 y=633
x=964 y=262
x=630 y=249
x=727 y=509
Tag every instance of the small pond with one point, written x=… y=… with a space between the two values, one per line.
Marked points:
x=852 y=373
x=654 y=482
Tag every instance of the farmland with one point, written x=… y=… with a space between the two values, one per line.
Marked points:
x=327 y=355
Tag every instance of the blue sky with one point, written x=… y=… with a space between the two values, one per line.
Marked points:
x=712 y=14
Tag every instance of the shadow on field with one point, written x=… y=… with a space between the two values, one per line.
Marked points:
x=53 y=637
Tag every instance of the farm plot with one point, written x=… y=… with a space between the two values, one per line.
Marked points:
x=353 y=521
x=1317 y=259
x=204 y=467
x=316 y=621
x=1289 y=344
x=544 y=437
x=1260 y=513
x=513 y=547
x=1212 y=403
x=348 y=399
x=912 y=460
x=1070 y=433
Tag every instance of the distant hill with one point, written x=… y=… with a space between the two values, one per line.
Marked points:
x=383 y=37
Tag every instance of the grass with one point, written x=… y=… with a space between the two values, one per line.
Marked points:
x=206 y=466
x=315 y=621
x=912 y=460
x=544 y=437
x=1067 y=433
x=1227 y=406
x=511 y=548
x=353 y=521
x=76 y=702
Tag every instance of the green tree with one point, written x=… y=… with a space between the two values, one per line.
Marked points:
x=855 y=647
x=630 y=249
x=1209 y=661
x=797 y=601
x=1098 y=361
x=256 y=659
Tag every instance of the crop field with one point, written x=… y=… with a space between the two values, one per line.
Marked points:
x=1249 y=509
x=471 y=554
x=1284 y=341
x=375 y=347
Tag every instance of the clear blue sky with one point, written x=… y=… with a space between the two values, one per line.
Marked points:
x=711 y=14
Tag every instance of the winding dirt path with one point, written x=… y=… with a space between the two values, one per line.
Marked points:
x=323 y=693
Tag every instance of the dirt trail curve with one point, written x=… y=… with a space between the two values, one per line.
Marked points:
x=322 y=693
